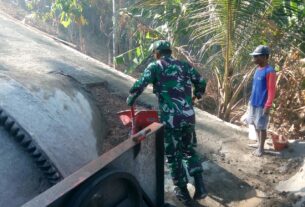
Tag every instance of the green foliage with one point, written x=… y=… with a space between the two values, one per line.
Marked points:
x=149 y=22
x=213 y=34
x=221 y=33
x=67 y=11
x=136 y=56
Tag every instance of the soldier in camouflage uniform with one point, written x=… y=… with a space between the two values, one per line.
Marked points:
x=172 y=83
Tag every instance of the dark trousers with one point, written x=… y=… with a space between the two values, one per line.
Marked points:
x=179 y=148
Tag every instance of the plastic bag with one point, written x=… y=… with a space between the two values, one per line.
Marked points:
x=252 y=132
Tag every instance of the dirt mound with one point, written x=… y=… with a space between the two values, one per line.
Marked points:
x=109 y=104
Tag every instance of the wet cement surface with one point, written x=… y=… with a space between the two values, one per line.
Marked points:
x=51 y=105
x=56 y=111
x=58 y=116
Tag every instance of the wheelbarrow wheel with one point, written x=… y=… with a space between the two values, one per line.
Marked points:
x=108 y=189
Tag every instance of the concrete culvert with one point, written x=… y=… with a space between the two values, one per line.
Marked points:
x=53 y=124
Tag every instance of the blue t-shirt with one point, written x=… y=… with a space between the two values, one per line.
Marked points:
x=259 y=93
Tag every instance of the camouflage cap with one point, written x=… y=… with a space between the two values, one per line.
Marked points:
x=160 y=45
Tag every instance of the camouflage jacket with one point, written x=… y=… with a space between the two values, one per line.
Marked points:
x=172 y=82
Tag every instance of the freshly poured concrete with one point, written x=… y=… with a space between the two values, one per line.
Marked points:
x=59 y=116
x=52 y=107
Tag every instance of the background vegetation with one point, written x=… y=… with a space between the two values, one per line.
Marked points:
x=216 y=36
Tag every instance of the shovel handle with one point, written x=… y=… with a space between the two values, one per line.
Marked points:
x=132 y=112
x=141 y=136
x=133 y=121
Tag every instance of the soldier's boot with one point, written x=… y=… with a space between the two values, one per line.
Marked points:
x=183 y=195
x=200 y=190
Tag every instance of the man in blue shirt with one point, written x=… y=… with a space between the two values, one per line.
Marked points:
x=262 y=96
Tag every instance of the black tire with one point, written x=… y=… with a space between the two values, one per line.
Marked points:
x=108 y=189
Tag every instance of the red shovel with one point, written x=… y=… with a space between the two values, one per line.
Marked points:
x=138 y=121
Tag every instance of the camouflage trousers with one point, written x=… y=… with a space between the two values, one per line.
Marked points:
x=179 y=149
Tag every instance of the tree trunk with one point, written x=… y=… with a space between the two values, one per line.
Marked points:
x=226 y=86
x=114 y=25
x=82 y=44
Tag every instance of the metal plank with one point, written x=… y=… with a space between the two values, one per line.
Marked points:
x=57 y=193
